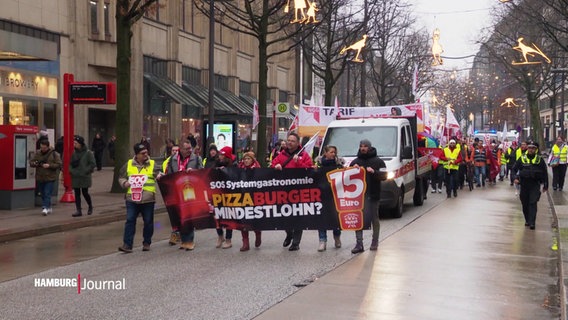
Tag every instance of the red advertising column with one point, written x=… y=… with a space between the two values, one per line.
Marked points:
x=68 y=133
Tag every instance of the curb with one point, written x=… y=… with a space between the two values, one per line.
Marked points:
x=558 y=241
x=88 y=221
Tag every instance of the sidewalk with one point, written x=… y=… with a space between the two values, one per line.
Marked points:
x=108 y=207
x=471 y=257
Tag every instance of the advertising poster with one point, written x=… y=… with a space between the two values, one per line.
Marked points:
x=223 y=134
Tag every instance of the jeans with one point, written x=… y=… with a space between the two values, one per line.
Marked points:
x=46 y=189
x=323 y=234
x=132 y=211
x=228 y=233
x=371 y=209
x=451 y=181
x=480 y=175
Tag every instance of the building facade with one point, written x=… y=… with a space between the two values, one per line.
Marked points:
x=44 y=39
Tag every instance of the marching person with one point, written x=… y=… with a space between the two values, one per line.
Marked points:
x=329 y=159
x=137 y=176
x=47 y=163
x=452 y=158
x=292 y=157
x=174 y=236
x=81 y=168
x=226 y=159
x=375 y=167
x=531 y=173
x=184 y=160
x=558 y=162
x=249 y=162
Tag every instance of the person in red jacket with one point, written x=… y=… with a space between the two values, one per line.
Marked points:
x=292 y=157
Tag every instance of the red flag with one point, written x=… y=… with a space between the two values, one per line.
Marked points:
x=433 y=153
x=294 y=124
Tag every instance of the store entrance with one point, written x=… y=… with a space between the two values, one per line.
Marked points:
x=103 y=122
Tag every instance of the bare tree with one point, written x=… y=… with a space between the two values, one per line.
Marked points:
x=395 y=49
x=266 y=21
x=128 y=12
x=336 y=30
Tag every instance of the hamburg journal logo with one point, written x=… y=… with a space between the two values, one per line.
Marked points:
x=81 y=283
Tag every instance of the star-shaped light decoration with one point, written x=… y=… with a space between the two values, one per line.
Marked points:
x=530 y=51
x=357 y=46
x=509 y=102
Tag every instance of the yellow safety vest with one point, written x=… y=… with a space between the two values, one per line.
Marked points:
x=148 y=171
x=561 y=153
x=451 y=155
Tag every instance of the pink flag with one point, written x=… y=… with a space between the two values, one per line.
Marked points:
x=337 y=113
x=255 y=115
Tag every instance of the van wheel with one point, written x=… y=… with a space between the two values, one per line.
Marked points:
x=399 y=207
x=418 y=198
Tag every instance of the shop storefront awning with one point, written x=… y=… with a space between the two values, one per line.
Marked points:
x=243 y=107
x=202 y=94
x=173 y=90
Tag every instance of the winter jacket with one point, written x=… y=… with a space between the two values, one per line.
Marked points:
x=304 y=159
x=81 y=167
x=52 y=158
x=370 y=159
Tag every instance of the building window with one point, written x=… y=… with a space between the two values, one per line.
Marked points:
x=245 y=88
x=94 y=17
x=107 y=20
x=187 y=16
x=221 y=82
x=155 y=66
x=282 y=96
x=191 y=75
x=153 y=11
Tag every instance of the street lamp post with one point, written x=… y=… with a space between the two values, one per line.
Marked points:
x=210 y=108
x=563 y=71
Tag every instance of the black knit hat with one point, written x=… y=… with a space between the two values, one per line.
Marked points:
x=139 y=147
x=79 y=139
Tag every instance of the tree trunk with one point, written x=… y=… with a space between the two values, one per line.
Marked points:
x=123 y=55
x=261 y=145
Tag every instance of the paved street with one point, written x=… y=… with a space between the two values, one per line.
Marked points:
x=464 y=258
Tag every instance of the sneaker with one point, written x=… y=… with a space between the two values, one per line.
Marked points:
x=174 y=238
x=374 y=245
x=90 y=211
x=294 y=247
x=358 y=248
x=227 y=244
x=77 y=214
x=433 y=190
x=337 y=241
x=187 y=246
x=439 y=190
x=44 y=211
x=49 y=210
x=220 y=240
x=322 y=246
x=145 y=247
x=124 y=248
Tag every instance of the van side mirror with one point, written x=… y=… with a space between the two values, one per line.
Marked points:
x=407 y=152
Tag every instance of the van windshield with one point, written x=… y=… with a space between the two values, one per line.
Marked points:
x=384 y=139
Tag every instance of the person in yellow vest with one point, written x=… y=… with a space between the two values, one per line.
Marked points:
x=502 y=162
x=137 y=176
x=557 y=161
x=452 y=158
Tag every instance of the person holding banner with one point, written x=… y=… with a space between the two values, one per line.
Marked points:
x=137 y=176
x=376 y=172
x=249 y=162
x=226 y=159
x=292 y=157
x=329 y=159
x=185 y=160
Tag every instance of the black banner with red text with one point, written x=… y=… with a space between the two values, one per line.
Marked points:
x=267 y=199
